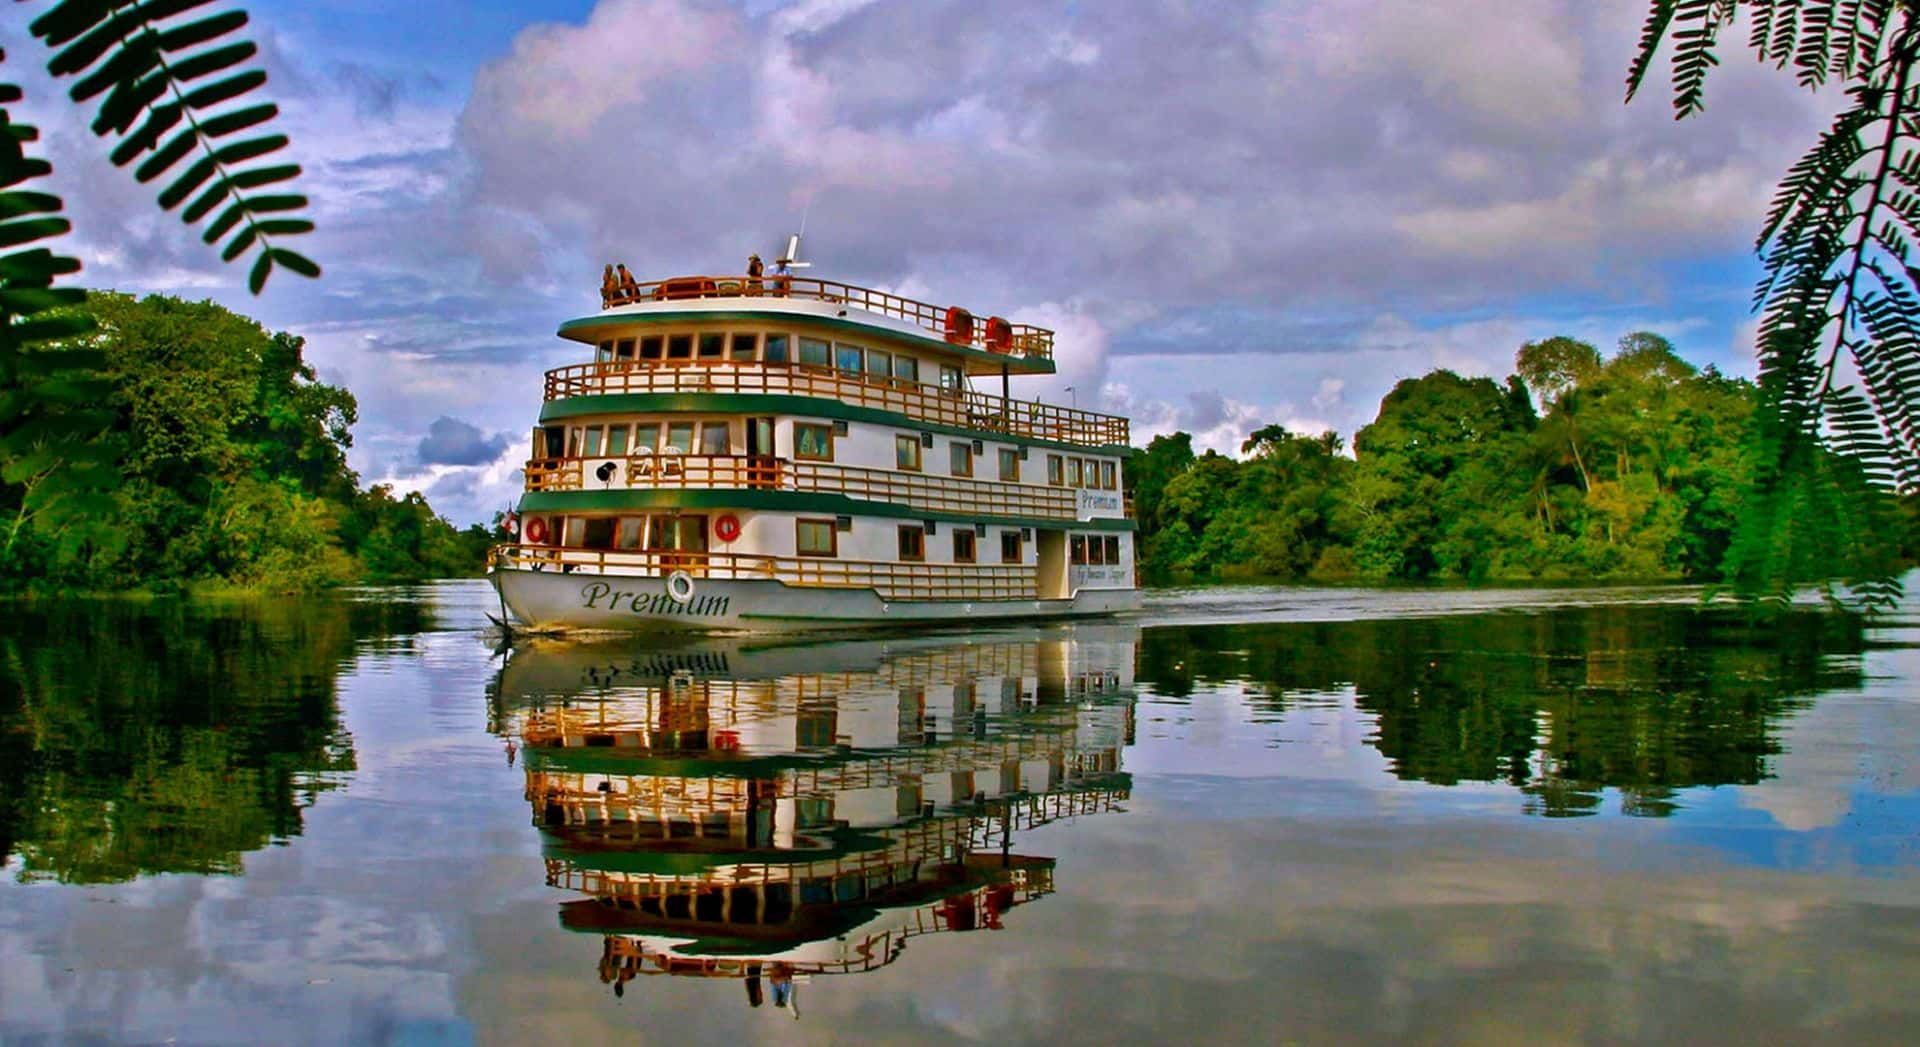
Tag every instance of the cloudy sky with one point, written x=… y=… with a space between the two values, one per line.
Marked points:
x=1233 y=213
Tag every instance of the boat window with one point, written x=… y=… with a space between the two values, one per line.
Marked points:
x=599 y=533
x=1109 y=475
x=623 y=349
x=743 y=345
x=962 y=458
x=1073 y=472
x=950 y=377
x=906 y=453
x=846 y=357
x=646 y=436
x=776 y=349
x=603 y=352
x=650 y=347
x=1079 y=546
x=616 y=440
x=631 y=528
x=907 y=369
x=1010 y=464
x=590 y=443
x=573 y=442
x=679 y=437
x=1056 y=474
x=1093 y=474
x=1113 y=548
x=692 y=536
x=712 y=345
x=679 y=347
x=715 y=439
x=1010 y=547
x=813 y=537
x=815 y=352
x=1096 y=550
x=813 y=442
x=879 y=364
x=963 y=545
x=660 y=533
x=913 y=542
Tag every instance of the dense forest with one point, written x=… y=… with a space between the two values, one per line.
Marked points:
x=1578 y=466
x=205 y=453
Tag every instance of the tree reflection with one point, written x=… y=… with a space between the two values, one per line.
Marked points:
x=1643 y=699
x=167 y=737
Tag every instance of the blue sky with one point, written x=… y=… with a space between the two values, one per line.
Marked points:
x=1233 y=213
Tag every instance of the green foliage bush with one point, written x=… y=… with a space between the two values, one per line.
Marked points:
x=232 y=469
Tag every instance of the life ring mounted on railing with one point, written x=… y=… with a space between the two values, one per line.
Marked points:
x=680 y=587
x=537 y=531
x=999 y=335
x=727 y=527
x=959 y=326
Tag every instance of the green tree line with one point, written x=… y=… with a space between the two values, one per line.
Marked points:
x=228 y=468
x=1578 y=466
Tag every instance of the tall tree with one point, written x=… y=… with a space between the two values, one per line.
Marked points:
x=1840 y=330
x=167 y=87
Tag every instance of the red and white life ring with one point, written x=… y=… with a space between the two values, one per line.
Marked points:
x=999 y=335
x=727 y=527
x=537 y=531
x=959 y=326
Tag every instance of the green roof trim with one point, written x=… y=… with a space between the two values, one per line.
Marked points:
x=788 y=404
x=577 y=329
x=612 y=500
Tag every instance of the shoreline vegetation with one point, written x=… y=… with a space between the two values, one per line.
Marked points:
x=1576 y=468
x=229 y=472
x=230 y=477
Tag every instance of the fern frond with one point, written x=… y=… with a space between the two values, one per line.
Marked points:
x=173 y=90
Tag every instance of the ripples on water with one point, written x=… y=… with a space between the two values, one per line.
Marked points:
x=1312 y=815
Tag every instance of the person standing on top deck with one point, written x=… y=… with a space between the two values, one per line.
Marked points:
x=754 y=272
x=609 y=285
x=629 y=287
x=782 y=277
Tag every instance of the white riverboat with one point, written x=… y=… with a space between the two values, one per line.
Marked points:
x=747 y=453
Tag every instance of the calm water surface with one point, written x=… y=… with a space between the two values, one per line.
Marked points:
x=1262 y=815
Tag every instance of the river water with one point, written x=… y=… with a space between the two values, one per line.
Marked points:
x=1246 y=815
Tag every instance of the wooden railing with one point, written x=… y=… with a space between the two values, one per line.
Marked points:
x=961 y=409
x=891 y=580
x=921 y=491
x=1019 y=339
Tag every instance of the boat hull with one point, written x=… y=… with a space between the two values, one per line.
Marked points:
x=556 y=600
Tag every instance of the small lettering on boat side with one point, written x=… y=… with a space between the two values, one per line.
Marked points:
x=651 y=603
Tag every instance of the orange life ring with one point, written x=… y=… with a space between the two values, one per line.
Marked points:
x=537 y=531
x=999 y=335
x=959 y=326
x=727 y=528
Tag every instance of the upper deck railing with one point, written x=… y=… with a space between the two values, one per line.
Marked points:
x=960 y=408
x=949 y=323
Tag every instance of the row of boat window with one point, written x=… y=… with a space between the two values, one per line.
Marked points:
x=777 y=347
x=1095 y=549
x=611 y=441
x=814 y=537
x=1062 y=471
x=811 y=442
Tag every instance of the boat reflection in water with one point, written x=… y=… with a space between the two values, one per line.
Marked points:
x=775 y=814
